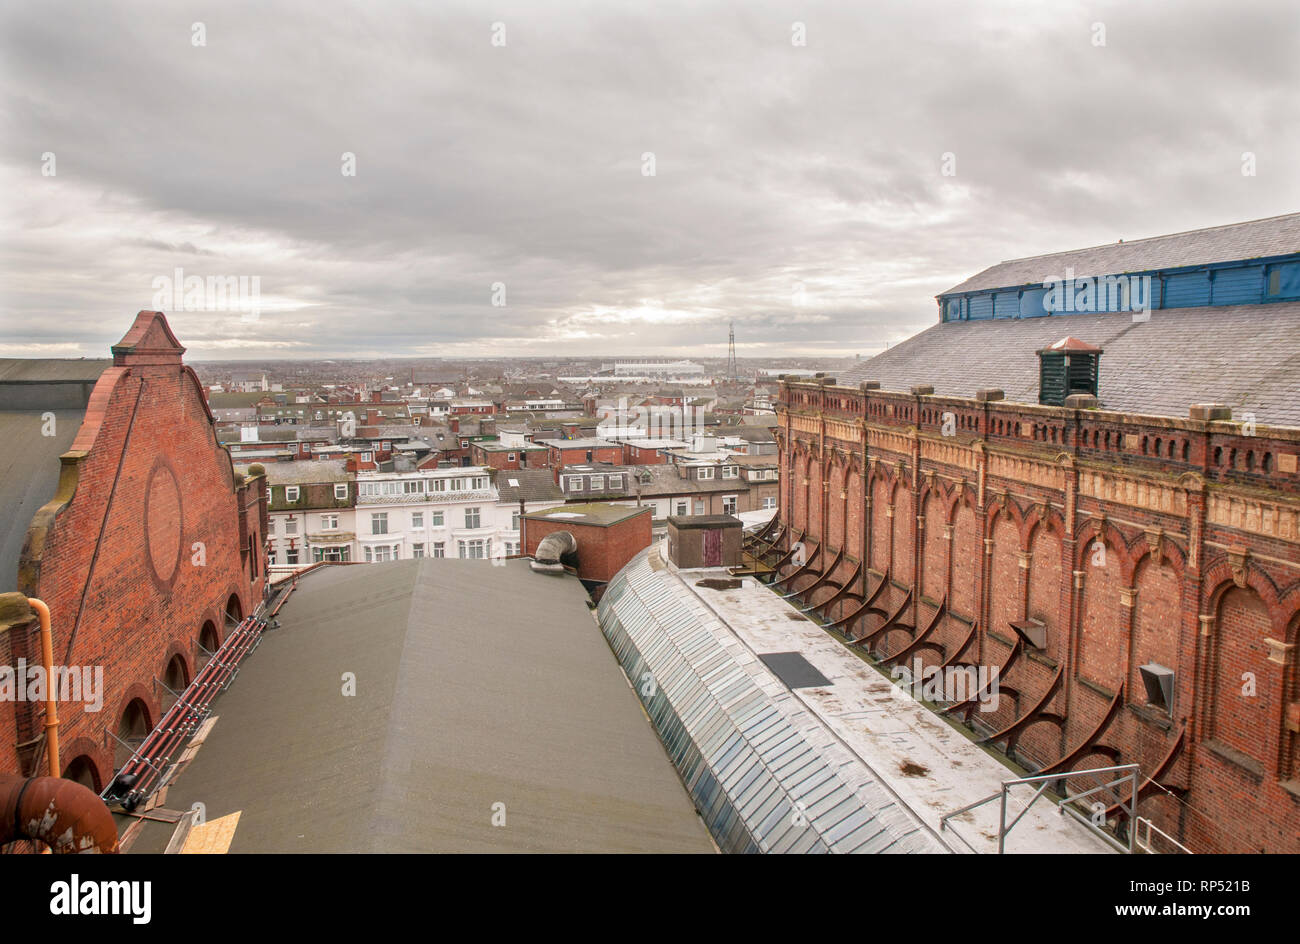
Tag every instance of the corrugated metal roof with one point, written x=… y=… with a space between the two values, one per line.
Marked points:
x=1247 y=356
x=1274 y=236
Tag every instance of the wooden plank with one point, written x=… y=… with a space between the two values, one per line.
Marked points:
x=204 y=730
x=160 y=815
x=212 y=838
x=180 y=833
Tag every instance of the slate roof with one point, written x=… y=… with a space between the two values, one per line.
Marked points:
x=307 y=472
x=1274 y=236
x=534 y=485
x=1246 y=356
x=665 y=480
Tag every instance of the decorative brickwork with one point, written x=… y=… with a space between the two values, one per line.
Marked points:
x=150 y=536
x=1133 y=540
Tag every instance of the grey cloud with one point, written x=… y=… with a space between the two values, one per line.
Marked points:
x=775 y=164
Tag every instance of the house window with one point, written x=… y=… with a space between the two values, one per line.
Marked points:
x=435 y=519
x=575 y=483
x=481 y=482
x=291 y=556
x=291 y=493
x=413 y=488
x=616 y=483
x=417 y=519
x=475 y=550
x=417 y=550
x=290 y=525
x=510 y=457
x=439 y=549
x=340 y=493
x=472 y=518
x=729 y=504
x=730 y=472
x=769 y=503
x=386 y=446
x=439 y=485
x=699 y=506
x=681 y=508
x=379 y=523
x=704 y=473
x=598 y=483
x=514 y=521
x=329 y=522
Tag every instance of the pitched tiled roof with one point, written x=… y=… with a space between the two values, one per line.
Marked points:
x=1275 y=236
x=1247 y=356
x=307 y=472
x=665 y=480
x=531 y=485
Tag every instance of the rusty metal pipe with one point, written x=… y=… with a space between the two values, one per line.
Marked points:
x=63 y=814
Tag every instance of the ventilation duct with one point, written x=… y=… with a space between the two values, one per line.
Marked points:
x=551 y=550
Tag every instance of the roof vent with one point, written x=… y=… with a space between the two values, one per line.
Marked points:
x=1066 y=367
x=1032 y=631
x=1159 y=683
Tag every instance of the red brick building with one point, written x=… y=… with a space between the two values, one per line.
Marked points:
x=608 y=536
x=565 y=452
x=1091 y=554
x=139 y=536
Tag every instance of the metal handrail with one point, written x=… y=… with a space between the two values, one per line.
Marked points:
x=1130 y=772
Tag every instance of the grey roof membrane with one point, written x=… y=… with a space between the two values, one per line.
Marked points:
x=461 y=703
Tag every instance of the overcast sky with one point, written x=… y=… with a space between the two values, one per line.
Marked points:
x=798 y=190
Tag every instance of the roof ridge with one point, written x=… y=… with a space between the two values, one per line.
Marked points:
x=1145 y=239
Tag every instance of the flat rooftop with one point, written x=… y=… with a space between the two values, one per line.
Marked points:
x=597 y=513
x=930 y=764
x=454 y=711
